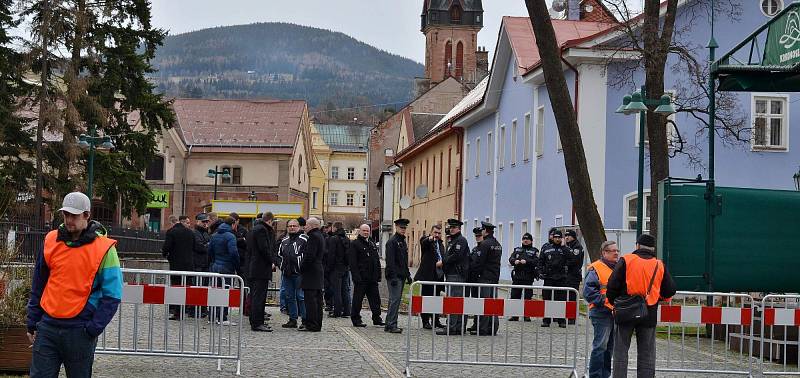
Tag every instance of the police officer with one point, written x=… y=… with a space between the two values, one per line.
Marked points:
x=474 y=274
x=456 y=269
x=553 y=269
x=523 y=262
x=574 y=264
x=491 y=253
x=397 y=274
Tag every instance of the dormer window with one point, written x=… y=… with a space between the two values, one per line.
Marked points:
x=455 y=14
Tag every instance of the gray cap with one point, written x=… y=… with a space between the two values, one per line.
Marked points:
x=76 y=203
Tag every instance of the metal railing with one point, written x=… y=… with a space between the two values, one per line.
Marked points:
x=778 y=349
x=162 y=314
x=523 y=344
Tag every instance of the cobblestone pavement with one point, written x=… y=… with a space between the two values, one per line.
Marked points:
x=341 y=350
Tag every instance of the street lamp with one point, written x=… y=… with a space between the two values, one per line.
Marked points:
x=796 y=178
x=93 y=142
x=638 y=103
x=213 y=173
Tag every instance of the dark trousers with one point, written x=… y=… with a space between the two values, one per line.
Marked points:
x=429 y=291
x=645 y=350
x=488 y=325
x=602 y=344
x=455 y=323
x=313 y=299
x=340 y=289
x=554 y=295
x=473 y=292
x=373 y=297
x=258 y=299
x=573 y=296
x=175 y=310
x=328 y=291
x=516 y=293
x=54 y=346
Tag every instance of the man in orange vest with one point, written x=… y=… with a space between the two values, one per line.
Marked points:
x=76 y=289
x=600 y=310
x=642 y=274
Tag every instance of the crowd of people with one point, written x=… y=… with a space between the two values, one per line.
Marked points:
x=319 y=262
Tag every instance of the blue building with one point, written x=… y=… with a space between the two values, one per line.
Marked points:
x=514 y=173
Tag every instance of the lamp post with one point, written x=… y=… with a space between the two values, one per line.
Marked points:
x=213 y=173
x=92 y=142
x=638 y=103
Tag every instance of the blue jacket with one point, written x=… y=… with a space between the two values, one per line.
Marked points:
x=222 y=250
x=591 y=290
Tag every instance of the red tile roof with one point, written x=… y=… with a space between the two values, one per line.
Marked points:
x=258 y=125
x=568 y=32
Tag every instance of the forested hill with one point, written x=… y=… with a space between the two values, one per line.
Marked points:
x=278 y=60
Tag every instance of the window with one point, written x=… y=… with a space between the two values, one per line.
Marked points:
x=300 y=170
x=314 y=196
x=433 y=175
x=770 y=123
x=334 y=198
x=441 y=168
x=450 y=162
x=235 y=177
x=455 y=15
x=501 y=148
x=335 y=173
x=459 y=60
x=499 y=234
x=540 y=131
x=771 y=7
x=526 y=146
x=514 y=142
x=631 y=203
x=351 y=199
x=524 y=228
x=537 y=232
x=155 y=171
x=478 y=19
x=448 y=58
x=477 y=157
x=351 y=173
x=363 y=199
x=365 y=174
x=489 y=152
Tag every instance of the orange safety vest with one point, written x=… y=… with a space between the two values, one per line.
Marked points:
x=638 y=272
x=603 y=273
x=72 y=272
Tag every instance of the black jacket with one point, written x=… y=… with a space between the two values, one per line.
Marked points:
x=527 y=271
x=491 y=252
x=456 y=259
x=290 y=253
x=427 y=270
x=311 y=269
x=474 y=255
x=553 y=263
x=364 y=261
x=178 y=248
x=397 y=258
x=574 y=263
x=241 y=244
x=260 y=249
x=617 y=286
x=337 y=244
x=201 y=239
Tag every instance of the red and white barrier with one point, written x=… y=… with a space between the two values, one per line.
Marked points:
x=180 y=295
x=493 y=307
x=705 y=315
x=782 y=317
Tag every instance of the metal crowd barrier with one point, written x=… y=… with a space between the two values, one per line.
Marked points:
x=778 y=349
x=515 y=344
x=142 y=326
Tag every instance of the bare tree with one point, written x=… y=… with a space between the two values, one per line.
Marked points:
x=580 y=185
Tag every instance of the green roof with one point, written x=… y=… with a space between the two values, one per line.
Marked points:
x=345 y=138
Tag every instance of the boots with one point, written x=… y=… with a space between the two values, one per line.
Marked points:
x=292 y=323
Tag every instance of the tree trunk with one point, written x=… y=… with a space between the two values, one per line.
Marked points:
x=580 y=184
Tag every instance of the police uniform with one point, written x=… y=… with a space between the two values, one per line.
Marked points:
x=523 y=273
x=574 y=265
x=455 y=265
x=474 y=274
x=553 y=269
x=491 y=253
x=397 y=274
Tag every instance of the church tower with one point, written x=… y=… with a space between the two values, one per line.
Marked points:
x=451 y=41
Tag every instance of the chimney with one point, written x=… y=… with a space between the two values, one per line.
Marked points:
x=482 y=67
x=573 y=10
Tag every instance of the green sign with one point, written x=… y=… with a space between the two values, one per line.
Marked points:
x=160 y=199
x=783 y=41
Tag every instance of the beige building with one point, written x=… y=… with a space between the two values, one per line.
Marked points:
x=339 y=182
x=263 y=146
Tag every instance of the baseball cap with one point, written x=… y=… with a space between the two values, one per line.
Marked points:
x=76 y=203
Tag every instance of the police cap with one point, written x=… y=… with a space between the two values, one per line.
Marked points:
x=402 y=222
x=487 y=226
x=454 y=222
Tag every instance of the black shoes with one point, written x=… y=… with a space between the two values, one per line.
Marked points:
x=292 y=323
x=379 y=323
x=545 y=325
x=361 y=324
x=562 y=325
x=513 y=319
x=261 y=328
x=445 y=332
x=393 y=330
x=439 y=325
x=427 y=326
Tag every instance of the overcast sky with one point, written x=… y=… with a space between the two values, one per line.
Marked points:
x=391 y=25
